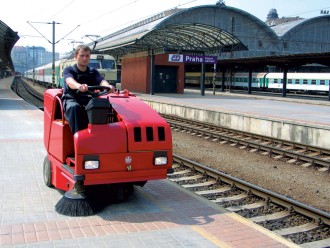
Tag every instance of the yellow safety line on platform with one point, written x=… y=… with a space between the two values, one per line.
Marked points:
x=210 y=237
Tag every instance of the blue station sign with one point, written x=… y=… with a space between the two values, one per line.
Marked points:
x=192 y=58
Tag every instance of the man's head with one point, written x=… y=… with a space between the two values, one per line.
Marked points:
x=82 y=55
x=82 y=47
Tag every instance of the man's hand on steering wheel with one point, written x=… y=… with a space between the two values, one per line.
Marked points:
x=83 y=88
x=94 y=91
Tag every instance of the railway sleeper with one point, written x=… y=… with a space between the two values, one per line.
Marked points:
x=317 y=244
x=306 y=165
x=180 y=179
x=255 y=205
x=182 y=172
x=324 y=169
x=214 y=191
x=297 y=229
x=278 y=157
x=271 y=217
x=314 y=154
x=196 y=185
x=254 y=150
x=231 y=198
x=292 y=161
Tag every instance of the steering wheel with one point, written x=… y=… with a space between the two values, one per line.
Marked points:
x=104 y=90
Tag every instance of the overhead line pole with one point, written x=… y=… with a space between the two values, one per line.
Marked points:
x=53 y=47
x=53 y=44
x=53 y=65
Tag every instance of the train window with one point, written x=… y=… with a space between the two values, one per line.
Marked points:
x=322 y=82
x=108 y=64
x=297 y=81
x=281 y=81
x=305 y=81
x=290 y=81
x=275 y=81
x=313 y=81
x=94 y=63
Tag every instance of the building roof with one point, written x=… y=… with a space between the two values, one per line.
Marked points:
x=283 y=25
x=152 y=33
x=8 y=38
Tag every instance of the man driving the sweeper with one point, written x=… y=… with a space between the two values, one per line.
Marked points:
x=77 y=78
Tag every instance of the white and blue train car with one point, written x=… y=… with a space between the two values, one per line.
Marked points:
x=300 y=82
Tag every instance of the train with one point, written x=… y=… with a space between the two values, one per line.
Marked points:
x=265 y=81
x=104 y=63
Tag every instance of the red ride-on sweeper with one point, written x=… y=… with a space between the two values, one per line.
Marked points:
x=126 y=143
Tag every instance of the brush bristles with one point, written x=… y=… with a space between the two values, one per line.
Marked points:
x=74 y=207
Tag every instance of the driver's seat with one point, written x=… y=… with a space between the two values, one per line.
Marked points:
x=61 y=138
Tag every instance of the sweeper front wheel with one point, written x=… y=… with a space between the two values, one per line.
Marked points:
x=47 y=171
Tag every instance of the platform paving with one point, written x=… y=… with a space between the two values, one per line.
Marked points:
x=161 y=214
x=294 y=120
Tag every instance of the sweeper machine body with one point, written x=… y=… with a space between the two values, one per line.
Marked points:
x=126 y=143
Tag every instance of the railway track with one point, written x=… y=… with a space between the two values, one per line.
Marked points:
x=299 y=223
x=290 y=152
x=26 y=92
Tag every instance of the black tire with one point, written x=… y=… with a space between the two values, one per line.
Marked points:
x=47 y=172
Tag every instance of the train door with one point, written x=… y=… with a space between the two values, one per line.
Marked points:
x=165 y=79
x=265 y=81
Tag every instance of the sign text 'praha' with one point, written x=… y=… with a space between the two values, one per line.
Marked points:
x=192 y=58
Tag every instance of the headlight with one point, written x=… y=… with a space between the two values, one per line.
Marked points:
x=91 y=165
x=160 y=161
x=160 y=157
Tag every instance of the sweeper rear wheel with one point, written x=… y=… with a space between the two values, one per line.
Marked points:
x=47 y=172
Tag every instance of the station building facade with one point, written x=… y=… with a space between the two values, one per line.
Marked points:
x=228 y=33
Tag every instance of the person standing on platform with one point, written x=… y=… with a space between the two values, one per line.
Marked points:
x=77 y=78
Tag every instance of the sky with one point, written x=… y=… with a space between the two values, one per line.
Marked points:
x=81 y=21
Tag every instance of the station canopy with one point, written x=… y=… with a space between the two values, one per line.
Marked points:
x=8 y=38
x=154 y=33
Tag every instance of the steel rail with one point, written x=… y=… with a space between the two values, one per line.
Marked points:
x=264 y=144
x=317 y=215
